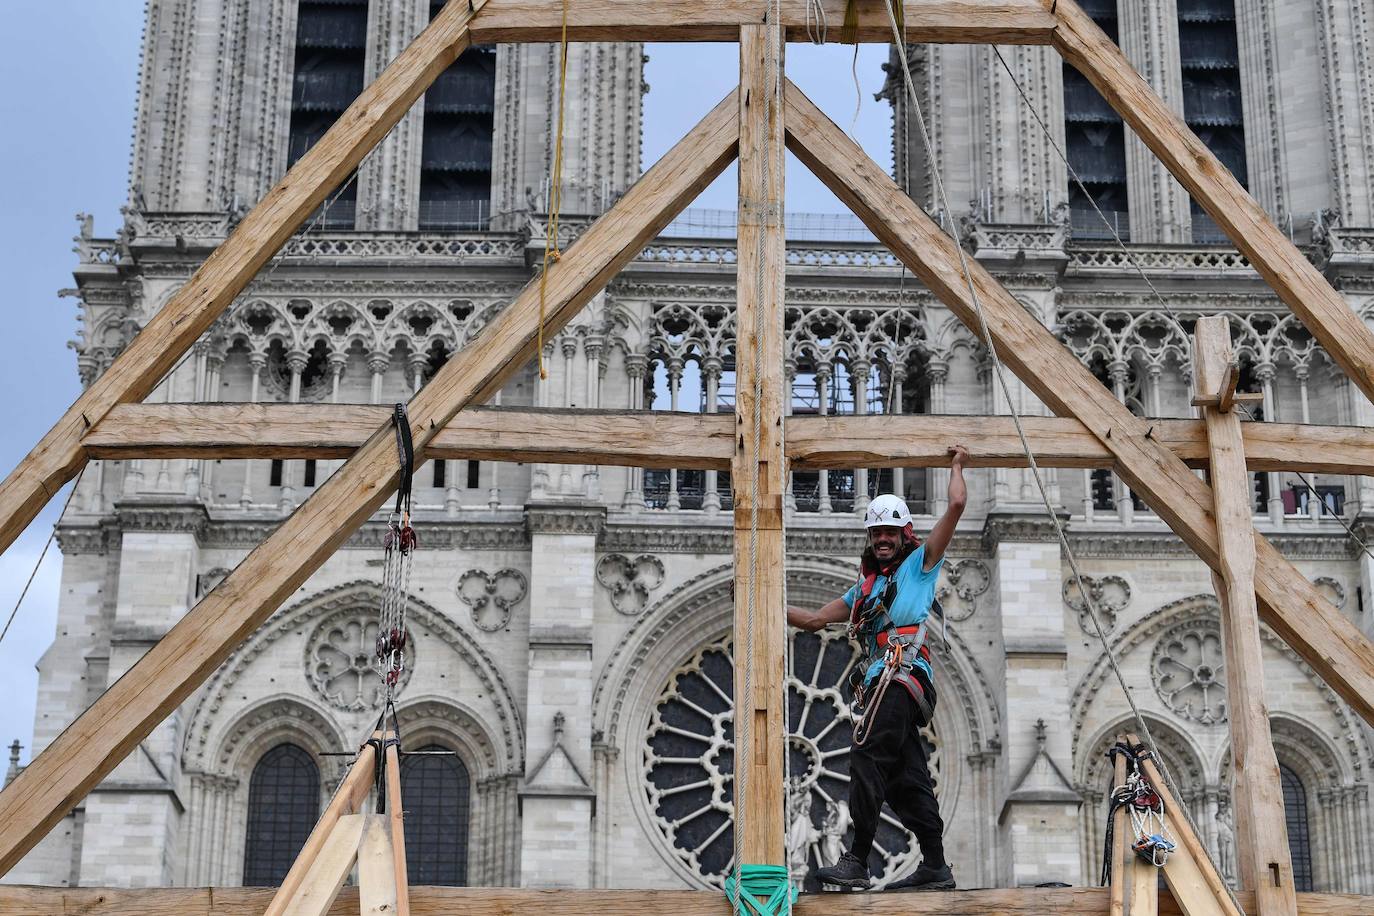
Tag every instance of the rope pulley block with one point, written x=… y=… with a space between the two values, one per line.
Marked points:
x=398 y=545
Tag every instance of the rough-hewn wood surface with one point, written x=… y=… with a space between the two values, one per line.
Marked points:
x=1265 y=864
x=106 y=732
x=659 y=439
x=758 y=473
x=1290 y=603
x=1324 y=311
x=943 y=21
x=21 y=900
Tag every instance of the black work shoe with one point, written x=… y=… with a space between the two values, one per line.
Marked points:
x=926 y=878
x=848 y=872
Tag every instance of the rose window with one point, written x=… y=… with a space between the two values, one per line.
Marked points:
x=689 y=763
x=339 y=663
x=1189 y=672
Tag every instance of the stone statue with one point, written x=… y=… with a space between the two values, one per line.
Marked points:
x=837 y=821
x=1226 y=844
x=801 y=835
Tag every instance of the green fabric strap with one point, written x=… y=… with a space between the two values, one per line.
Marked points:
x=755 y=881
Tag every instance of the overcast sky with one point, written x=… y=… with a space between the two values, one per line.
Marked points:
x=67 y=90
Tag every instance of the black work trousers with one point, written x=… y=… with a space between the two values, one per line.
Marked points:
x=891 y=766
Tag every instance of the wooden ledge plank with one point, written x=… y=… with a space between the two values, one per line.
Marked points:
x=659 y=439
x=30 y=900
x=939 y=21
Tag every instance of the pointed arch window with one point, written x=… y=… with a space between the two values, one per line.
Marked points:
x=283 y=805
x=1299 y=837
x=455 y=158
x=1210 y=57
x=1096 y=145
x=435 y=790
x=331 y=52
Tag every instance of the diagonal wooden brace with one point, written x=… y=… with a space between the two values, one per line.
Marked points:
x=1299 y=284
x=136 y=372
x=105 y=733
x=1290 y=604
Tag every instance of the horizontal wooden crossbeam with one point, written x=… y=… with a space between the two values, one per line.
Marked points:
x=1336 y=649
x=21 y=900
x=657 y=439
x=941 y=21
x=129 y=709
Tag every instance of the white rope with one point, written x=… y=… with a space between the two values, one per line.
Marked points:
x=1000 y=373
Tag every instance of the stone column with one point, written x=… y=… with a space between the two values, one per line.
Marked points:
x=539 y=473
x=256 y=361
x=134 y=815
x=710 y=371
x=858 y=377
x=822 y=376
x=674 y=384
x=591 y=348
x=291 y=470
x=635 y=366
x=377 y=364
x=1037 y=823
x=565 y=476
x=557 y=798
x=1266 y=373
x=895 y=407
x=938 y=478
x=1118 y=371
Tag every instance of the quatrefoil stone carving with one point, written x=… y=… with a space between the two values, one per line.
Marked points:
x=1110 y=595
x=964 y=580
x=490 y=596
x=630 y=580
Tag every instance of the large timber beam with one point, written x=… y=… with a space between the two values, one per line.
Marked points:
x=1265 y=864
x=659 y=439
x=106 y=732
x=1300 y=285
x=28 y=900
x=624 y=438
x=758 y=472
x=940 y=21
x=1290 y=604
x=154 y=351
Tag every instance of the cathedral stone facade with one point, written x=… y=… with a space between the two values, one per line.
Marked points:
x=572 y=624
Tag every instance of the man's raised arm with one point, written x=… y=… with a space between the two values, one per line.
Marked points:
x=943 y=531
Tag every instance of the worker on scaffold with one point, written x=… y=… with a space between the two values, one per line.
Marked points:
x=887 y=610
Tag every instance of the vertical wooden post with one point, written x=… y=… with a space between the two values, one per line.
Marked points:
x=1198 y=888
x=758 y=473
x=1261 y=834
x=1121 y=831
x=395 y=810
x=346 y=801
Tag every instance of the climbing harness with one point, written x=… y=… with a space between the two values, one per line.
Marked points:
x=398 y=546
x=895 y=644
x=1149 y=836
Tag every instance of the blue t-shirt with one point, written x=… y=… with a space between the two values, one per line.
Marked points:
x=915 y=595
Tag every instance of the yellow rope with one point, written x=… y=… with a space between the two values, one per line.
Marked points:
x=551 y=250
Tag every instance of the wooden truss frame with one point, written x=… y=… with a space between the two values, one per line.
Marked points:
x=1092 y=429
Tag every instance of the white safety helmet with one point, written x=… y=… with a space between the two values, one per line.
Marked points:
x=887 y=510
